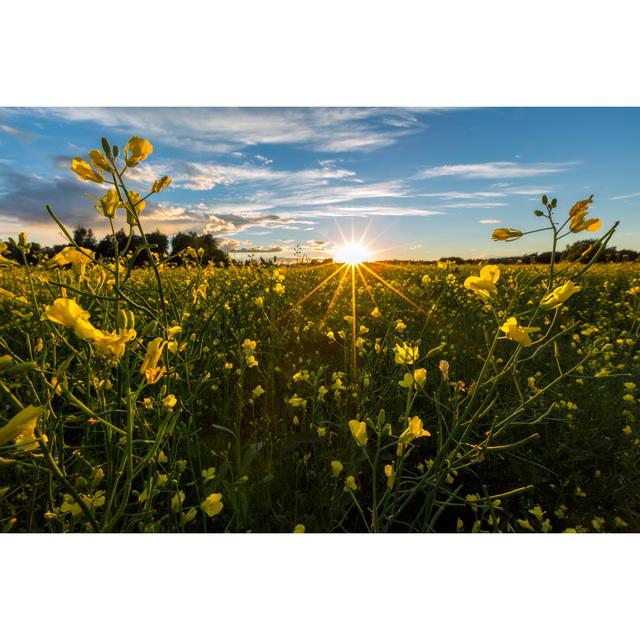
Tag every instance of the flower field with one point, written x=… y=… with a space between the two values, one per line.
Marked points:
x=349 y=397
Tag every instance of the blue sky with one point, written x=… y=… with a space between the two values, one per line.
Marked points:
x=417 y=183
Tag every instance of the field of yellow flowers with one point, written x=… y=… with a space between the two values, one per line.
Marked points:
x=379 y=397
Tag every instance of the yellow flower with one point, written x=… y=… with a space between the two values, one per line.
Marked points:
x=400 y=326
x=252 y=361
x=169 y=402
x=414 y=430
x=391 y=476
x=405 y=353
x=109 y=204
x=299 y=528
x=558 y=296
x=444 y=369
x=517 y=333
x=376 y=313
x=111 y=344
x=176 y=501
x=259 y=301
x=160 y=184
x=257 y=392
x=138 y=207
x=350 y=484
x=150 y=368
x=297 y=401
x=21 y=428
x=577 y=214
x=336 y=467
x=507 y=234
x=322 y=392
x=98 y=160
x=77 y=259
x=212 y=505
x=420 y=377
x=65 y=311
x=84 y=170
x=485 y=284
x=278 y=289
x=407 y=381
x=359 y=432
x=137 y=150
x=249 y=346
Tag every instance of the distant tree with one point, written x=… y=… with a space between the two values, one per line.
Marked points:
x=83 y=237
x=160 y=240
x=212 y=253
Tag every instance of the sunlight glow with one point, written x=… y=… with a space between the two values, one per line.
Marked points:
x=351 y=254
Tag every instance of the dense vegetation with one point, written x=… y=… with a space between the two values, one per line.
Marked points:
x=186 y=396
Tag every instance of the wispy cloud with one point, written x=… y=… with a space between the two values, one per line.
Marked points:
x=489 y=221
x=22 y=134
x=223 y=130
x=626 y=196
x=197 y=176
x=493 y=170
x=473 y=205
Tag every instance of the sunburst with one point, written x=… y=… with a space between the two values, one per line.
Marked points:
x=353 y=258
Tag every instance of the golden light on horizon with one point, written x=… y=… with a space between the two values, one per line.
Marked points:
x=352 y=254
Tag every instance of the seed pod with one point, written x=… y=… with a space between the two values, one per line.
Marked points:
x=19 y=369
x=149 y=329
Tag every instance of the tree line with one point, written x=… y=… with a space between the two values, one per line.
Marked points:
x=204 y=244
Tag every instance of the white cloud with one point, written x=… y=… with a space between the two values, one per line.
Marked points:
x=489 y=221
x=222 y=130
x=626 y=196
x=202 y=176
x=464 y=195
x=473 y=205
x=493 y=170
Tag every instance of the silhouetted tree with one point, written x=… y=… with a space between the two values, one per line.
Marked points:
x=160 y=240
x=212 y=253
x=83 y=237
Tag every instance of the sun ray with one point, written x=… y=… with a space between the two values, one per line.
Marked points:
x=366 y=284
x=329 y=277
x=396 y=291
x=354 y=328
x=335 y=294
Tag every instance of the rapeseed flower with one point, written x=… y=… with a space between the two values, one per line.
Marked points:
x=517 y=333
x=359 y=432
x=558 y=296
x=484 y=285
x=212 y=505
x=83 y=169
x=149 y=368
x=405 y=353
x=137 y=150
x=577 y=215
x=160 y=184
x=21 y=428
x=506 y=234
x=65 y=311
x=169 y=402
x=98 y=160
x=77 y=259
x=415 y=429
x=350 y=484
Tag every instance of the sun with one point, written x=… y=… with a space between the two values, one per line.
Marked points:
x=352 y=254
